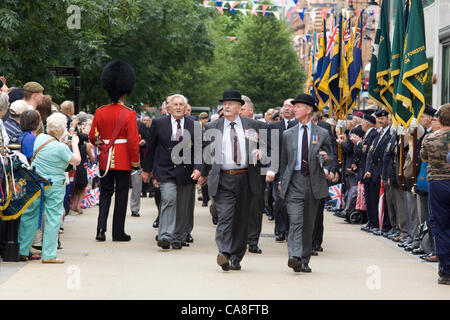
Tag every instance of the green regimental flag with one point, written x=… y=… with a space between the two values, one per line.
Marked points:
x=380 y=63
x=396 y=58
x=414 y=67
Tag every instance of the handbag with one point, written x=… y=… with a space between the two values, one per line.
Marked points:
x=422 y=181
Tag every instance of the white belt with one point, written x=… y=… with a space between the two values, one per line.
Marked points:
x=117 y=141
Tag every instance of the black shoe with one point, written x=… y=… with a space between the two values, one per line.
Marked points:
x=271 y=217
x=164 y=244
x=318 y=249
x=280 y=237
x=372 y=230
x=144 y=195
x=37 y=248
x=122 y=237
x=215 y=220
x=253 y=248
x=314 y=253
x=176 y=245
x=235 y=265
x=100 y=235
x=156 y=223
x=135 y=214
x=366 y=228
x=412 y=246
x=305 y=268
x=444 y=279
x=185 y=244
x=377 y=233
x=418 y=251
x=204 y=204
x=295 y=263
x=189 y=238
x=223 y=261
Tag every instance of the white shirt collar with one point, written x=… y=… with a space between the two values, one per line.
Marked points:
x=237 y=121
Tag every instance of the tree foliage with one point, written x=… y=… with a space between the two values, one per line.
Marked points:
x=174 y=46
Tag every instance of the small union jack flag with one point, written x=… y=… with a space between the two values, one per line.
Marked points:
x=92 y=171
x=335 y=193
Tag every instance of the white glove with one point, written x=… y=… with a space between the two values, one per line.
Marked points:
x=341 y=124
x=330 y=121
x=413 y=125
x=393 y=129
x=401 y=131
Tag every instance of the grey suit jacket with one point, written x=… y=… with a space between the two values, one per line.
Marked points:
x=212 y=155
x=289 y=156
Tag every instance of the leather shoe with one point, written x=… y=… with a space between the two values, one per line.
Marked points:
x=444 y=279
x=135 y=214
x=215 y=220
x=365 y=228
x=23 y=258
x=413 y=245
x=204 y=204
x=143 y=195
x=53 y=260
x=280 y=237
x=184 y=244
x=314 y=253
x=431 y=259
x=176 y=245
x=418 y=251
x=270 y=217
x=122 y=237
x=318 y=249
x=223 y=261
x=305 y=268
x=100 y=235
x=156 y=223
x=164 y=244
x=372 y=230
x=377 y=233
x=254 y=249
x=295 y=263
x=235 y=265
x=189 y=238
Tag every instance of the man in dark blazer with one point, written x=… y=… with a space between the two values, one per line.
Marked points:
x=280 y=211
x=306 y=150
x=374 y=167
x=231 y=169
x=361 y=150
x=174 y=171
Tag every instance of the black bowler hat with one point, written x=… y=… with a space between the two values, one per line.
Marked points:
x=232 y=95
x=429 y=110
x=381 y=113
x=306 y=99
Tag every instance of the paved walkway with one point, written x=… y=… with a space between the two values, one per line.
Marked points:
x=354 y=265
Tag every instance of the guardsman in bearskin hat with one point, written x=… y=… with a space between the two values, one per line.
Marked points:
x=114 y=131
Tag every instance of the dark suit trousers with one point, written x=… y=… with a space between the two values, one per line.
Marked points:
x=318 y=226
x=372 y=193
x=118 y=182
x=232 y=207
x=256 y=216
x=280 y=213
x=302 y=209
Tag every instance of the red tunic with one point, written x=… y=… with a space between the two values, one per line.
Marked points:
x=124 y=156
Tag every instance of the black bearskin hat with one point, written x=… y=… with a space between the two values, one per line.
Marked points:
x=118 y=78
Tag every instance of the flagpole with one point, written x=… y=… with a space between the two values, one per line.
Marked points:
x=415 y=159
x=400 y=171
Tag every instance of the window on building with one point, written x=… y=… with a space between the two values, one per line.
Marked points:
x=445 y=75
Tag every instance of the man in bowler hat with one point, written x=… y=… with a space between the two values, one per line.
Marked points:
x=232 y=171
x=306 y=151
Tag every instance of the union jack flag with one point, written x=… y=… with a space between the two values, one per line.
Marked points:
x=358 y=33
x=332 y=37
x=335 y=193
x=95 y=195
x=347 y=35
x=92 y=171
x=87 y=202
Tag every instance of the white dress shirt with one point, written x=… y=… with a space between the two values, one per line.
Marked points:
x=298 y=163
x=175 y=125
x=227 y=148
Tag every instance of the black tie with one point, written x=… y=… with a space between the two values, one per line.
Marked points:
x=304 y=167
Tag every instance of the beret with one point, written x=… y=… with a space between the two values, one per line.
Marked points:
x=33 y=87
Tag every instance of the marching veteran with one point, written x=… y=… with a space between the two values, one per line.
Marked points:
x=50 y=160
x=306 y=153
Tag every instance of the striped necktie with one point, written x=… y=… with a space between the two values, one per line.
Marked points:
x=235 y=144
x=304 y=167
x=179 y=135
